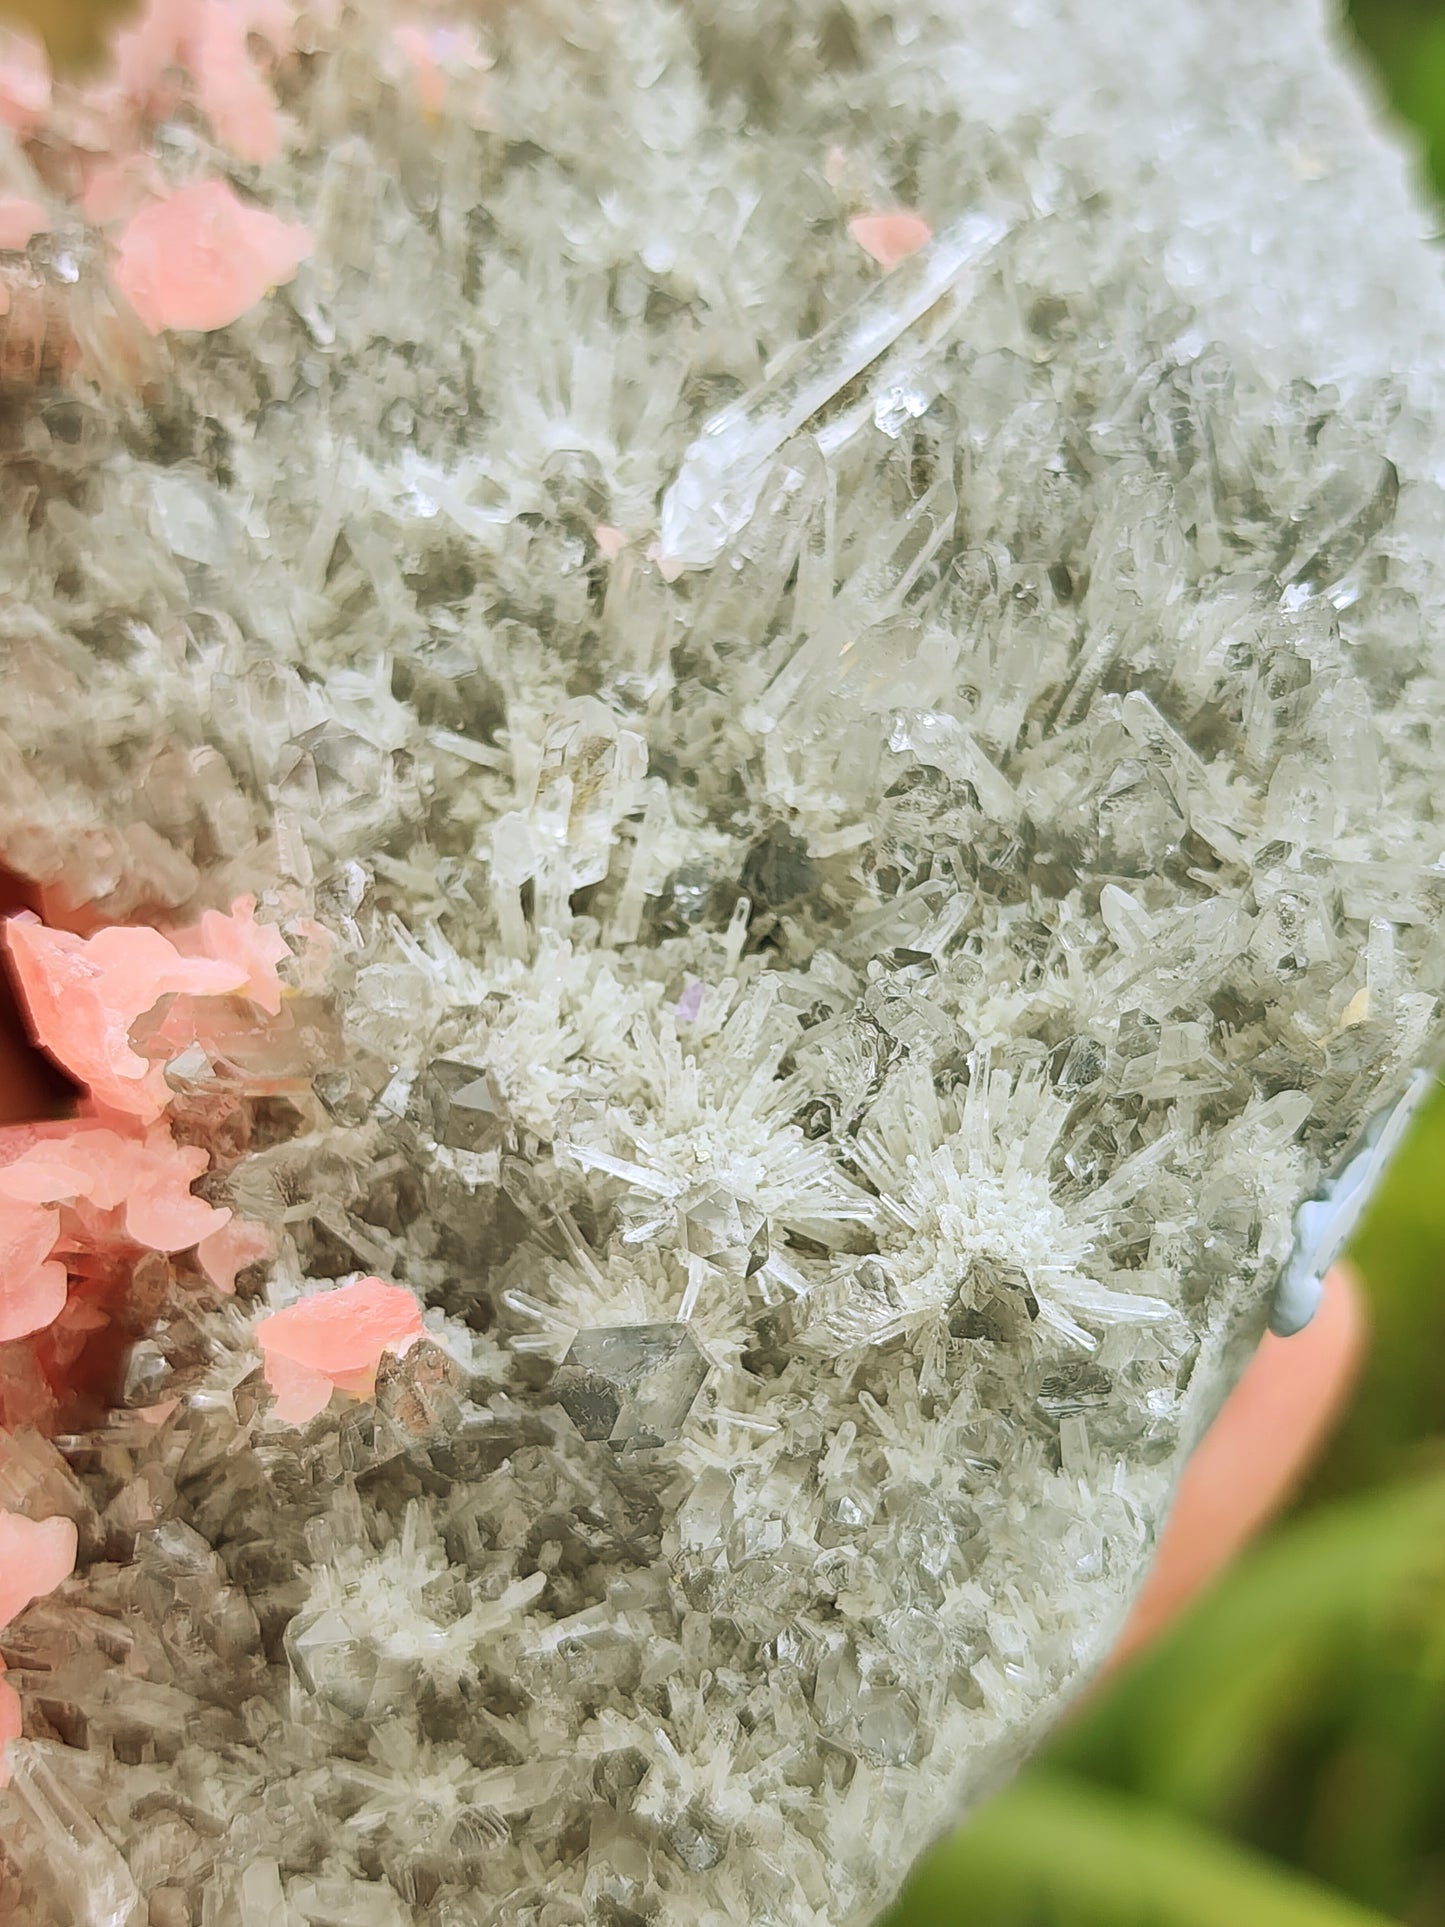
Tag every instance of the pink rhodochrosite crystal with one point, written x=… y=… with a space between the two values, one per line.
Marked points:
x=447 y=64
x=160 y=1210
x=890 y=238
x=24 y=82
x=98 y=1170
x=201 y=257
x=230 y=1248
x=238 y=939
x=32 y=1289
x=334 y=1341
x=36 y=1555
x=86 y=1189
x=204 y=47
x=431 y=83
x=83 y=1201
x=239 y=105
x=82 y=994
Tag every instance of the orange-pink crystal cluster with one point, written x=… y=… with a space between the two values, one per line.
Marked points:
x=194 y=255
x=36 y=1555
x=81 y=1200
x=197 y=256
x=84 y=1200
x=83 y=994
x=334 y=1341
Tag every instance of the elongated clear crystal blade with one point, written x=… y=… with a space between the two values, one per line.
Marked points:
x=722 y=473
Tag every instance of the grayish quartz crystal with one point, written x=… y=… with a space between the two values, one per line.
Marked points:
x=460 y=1105
x=632 y=1385
x=723 y=472
x=876 y=839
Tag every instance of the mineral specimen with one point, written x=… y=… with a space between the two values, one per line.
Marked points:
x=802 y=635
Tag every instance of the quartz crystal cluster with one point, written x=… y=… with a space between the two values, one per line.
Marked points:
x=724 y=715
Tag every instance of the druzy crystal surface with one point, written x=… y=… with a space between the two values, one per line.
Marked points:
x=746 y=694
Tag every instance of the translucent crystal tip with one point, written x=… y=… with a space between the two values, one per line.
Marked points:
x=717 y=486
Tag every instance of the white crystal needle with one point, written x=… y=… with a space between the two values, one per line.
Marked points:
x=722 y=473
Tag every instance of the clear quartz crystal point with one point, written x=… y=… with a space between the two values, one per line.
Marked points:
x=82 y=1869
x=332 y=1660
x=722 y=473
x=261 y=1899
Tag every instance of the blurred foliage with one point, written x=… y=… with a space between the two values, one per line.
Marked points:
x=1278 y=1760
x=1405 y=41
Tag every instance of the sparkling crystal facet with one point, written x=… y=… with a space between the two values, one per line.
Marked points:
x=631 y=1385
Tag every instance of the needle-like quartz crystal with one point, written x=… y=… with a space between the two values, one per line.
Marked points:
x=722 y=473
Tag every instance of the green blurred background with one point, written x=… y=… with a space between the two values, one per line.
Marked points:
x=1278 y=1760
